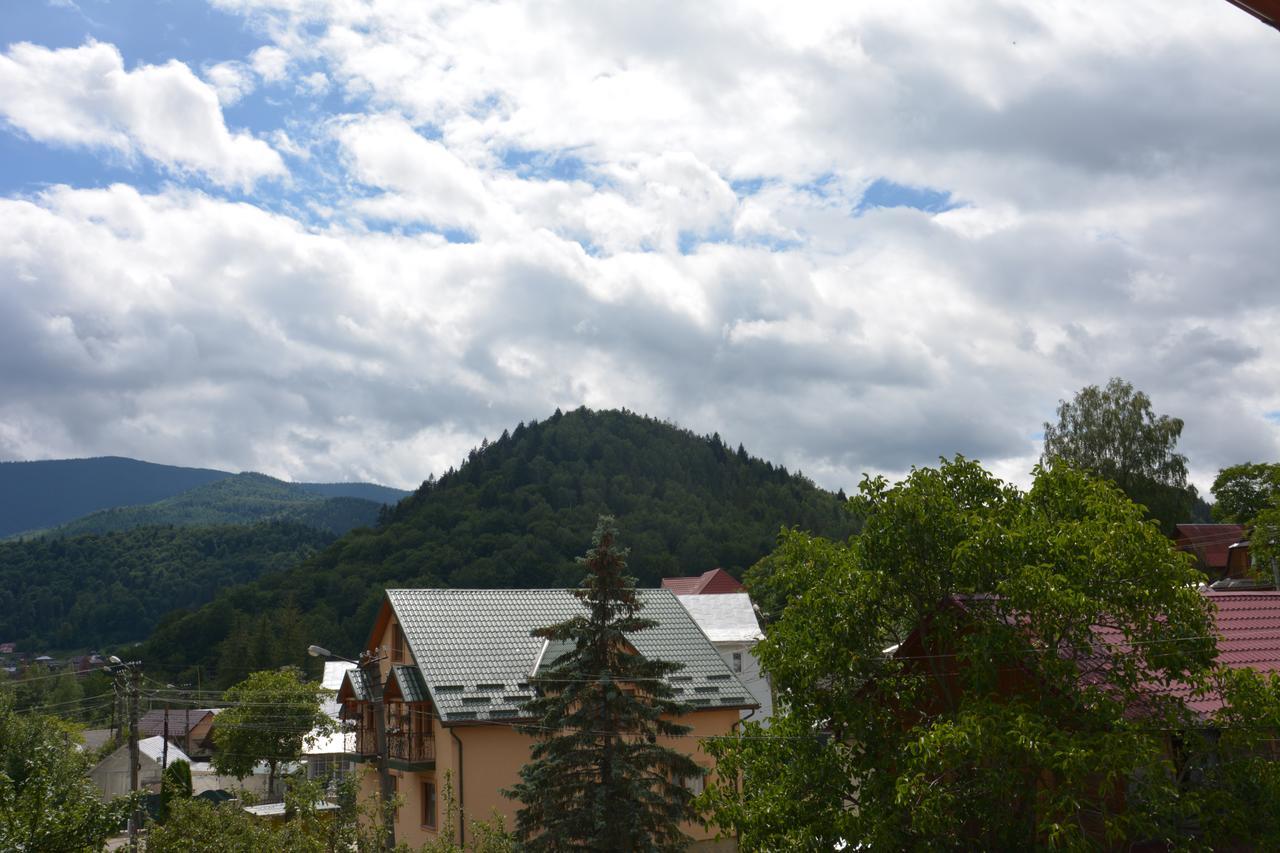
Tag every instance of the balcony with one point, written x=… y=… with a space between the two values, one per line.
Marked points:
x=411 y=747
x=411 y=750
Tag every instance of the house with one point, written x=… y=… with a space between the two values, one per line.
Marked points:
x=111 y=775
x=328 y=756
x=456 y=675
x=190 y=728
x=1210 y=544
x=729 y=621
x=714 y=582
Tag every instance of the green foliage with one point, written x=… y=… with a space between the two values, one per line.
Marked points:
x=272 y=714
x=1242 y=491
x=93 y=591
x=950 y=656
x=175 y=784
x=241 y=499
x=47 y=803
x=515 y=515
x=1114 y=433
x=597 y=779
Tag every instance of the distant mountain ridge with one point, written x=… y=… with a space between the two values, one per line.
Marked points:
x=236 y=500
x=37 y=496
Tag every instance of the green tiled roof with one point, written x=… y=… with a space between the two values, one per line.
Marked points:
x=409 y=680
x=359 y=684
x=475 y=651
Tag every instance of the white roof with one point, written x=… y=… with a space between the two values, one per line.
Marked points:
x=333 y=672
x=725 y=618
x=153 y=748
x=328 y=744
x=277 y=809
x=332 y=680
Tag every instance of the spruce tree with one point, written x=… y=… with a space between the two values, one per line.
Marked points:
x=597 y=778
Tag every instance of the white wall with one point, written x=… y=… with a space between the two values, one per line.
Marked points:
x=751 y=675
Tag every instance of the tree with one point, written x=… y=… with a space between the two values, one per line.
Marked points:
x=944 y=674
x=597 y=779
x=1242 y=491
x=47 y=802
x=1114 y=433
x=272 y=715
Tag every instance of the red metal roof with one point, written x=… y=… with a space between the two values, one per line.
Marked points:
x=714 y=582
x=1209 y=541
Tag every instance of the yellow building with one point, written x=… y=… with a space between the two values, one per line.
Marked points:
x=456 y=669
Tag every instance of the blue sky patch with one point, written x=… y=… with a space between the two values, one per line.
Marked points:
x=885 y=193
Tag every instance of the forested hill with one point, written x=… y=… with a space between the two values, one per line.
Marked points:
x=239 y=499
x=36 y=495
x=516 y=514
x=90 y=591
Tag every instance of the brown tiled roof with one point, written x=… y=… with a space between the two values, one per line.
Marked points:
x=152 y=722
x=714 y=582
x=1209 y=541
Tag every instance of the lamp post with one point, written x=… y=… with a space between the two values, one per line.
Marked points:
x=127 y=675
x=369 y=667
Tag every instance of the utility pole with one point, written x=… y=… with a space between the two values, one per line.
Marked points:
x=369 y=665
x=135 y=762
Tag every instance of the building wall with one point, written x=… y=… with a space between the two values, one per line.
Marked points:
x=752 y=677
x=112 y=773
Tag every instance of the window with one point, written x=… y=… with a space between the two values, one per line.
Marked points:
x=695 y=784
x=397 y=643
x=737 y=661
x=429 y=805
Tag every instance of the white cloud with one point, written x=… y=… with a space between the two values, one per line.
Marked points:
x=231 y=80
x=271 y=63
x=84 y=96
x=666 y=203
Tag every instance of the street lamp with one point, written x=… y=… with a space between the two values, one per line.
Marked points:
x=368 y=665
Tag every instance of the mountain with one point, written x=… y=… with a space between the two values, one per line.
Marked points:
x=515 y=514
x=89 y=591
x=36 y=495
x=364 y=491
x=239 y=499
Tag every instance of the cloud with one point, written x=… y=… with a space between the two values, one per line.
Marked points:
x=271 y=63
x=84 y=97
x=665 y=207
x=231 y=80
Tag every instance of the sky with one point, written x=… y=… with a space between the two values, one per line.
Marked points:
x=347 y=239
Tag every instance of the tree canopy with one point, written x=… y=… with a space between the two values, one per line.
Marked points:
x=1241 y=492
x=47 y=803
x=95 y=590
x=946 y=685
x=597 y=779
x=1113 y=432
x=271 y=716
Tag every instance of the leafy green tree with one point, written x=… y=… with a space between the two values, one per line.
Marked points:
x=1114 y=433
x=47 y=803
x=946 y=688
x=1242 y=491
x=271 y=716
x=175 y=785
x=597 y=779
